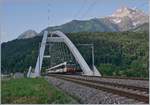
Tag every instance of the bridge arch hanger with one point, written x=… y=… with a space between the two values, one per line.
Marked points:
x=58 y=36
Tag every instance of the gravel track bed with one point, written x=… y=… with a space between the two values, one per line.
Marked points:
x=138 y=83
x=87 y=95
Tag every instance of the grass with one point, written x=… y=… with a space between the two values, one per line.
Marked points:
x=31 y=91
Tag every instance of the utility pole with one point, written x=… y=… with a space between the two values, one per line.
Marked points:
x=92 y=56
x=92 y=52
x=50 y=53
x=39 y=54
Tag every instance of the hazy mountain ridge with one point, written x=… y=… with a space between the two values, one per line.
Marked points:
x=27 y=34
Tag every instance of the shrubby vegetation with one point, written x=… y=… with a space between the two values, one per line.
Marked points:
x=116 y=53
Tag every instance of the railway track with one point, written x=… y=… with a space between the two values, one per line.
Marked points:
x=117 y=77
x=92 y=79
x=133 y=92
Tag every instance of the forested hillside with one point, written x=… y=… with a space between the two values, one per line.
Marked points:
x=116 y=53
x=18 y=55
x=121 y=54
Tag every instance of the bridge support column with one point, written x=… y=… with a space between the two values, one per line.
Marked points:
x=38 y=66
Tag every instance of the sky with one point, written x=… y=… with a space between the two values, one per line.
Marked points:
x=18 y=16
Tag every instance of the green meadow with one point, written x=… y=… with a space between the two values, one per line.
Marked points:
x=31 y=91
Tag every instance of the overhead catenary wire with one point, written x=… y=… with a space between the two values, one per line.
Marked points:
x=89 y=8
x=77 y=14
x=48 y=16
x=49 y=12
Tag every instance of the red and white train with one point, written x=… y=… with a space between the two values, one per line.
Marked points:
x=64 y=68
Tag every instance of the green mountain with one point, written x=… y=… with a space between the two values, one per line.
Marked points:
x=93 y=25
x=123 y=19
x=116 y=53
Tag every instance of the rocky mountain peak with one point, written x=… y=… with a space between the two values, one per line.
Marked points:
x=126 y=11
x=121 y=12
x=127 y=18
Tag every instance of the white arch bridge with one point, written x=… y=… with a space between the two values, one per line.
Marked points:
x=58 y=36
